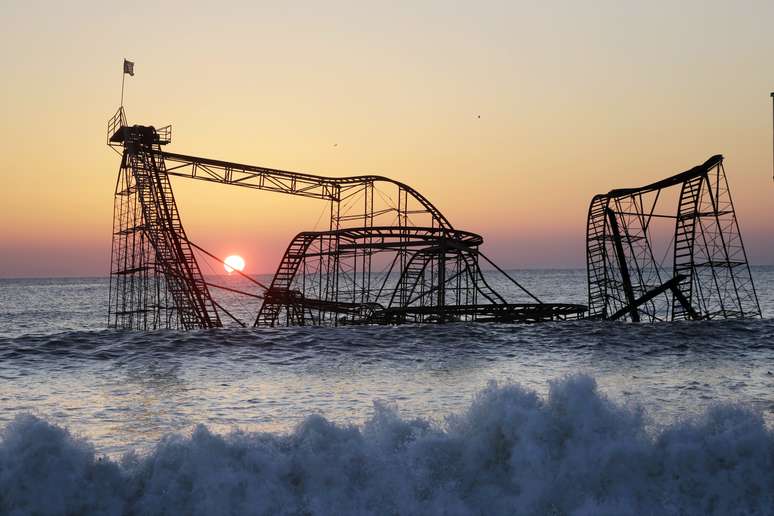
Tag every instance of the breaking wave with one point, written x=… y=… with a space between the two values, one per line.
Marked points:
x=511 y=452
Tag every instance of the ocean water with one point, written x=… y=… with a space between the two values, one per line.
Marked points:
x=560 y=418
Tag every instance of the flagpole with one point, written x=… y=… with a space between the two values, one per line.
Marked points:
x=123 y=78
x=772 y=134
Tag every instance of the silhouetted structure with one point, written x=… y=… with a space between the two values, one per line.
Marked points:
x=708 y=276
x=387 y=256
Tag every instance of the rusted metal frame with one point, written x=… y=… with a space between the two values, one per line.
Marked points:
x=636 y=252
x=680 y=223
x=657 y=266
x=346 y=272
x=288 y=185
x=596 y=222
x=652 y=209
x=141 y=162
x=387 y=276
x=436 y=287
x=354 y=190
x=116 y=247
x=670 y=284
x=180 y=277
x=425 y=263
x=191 y=292
x=322 y=180
x=685 y=303
x=334 y=292
x=714 y=204
x=368 y=220
x=721 y=169
x=348 y=206
x=694 y=267
x=516 y=309
x=199 y=297
x=474 y=274
x=641 y=251
x=222 y=178
x=622 y=266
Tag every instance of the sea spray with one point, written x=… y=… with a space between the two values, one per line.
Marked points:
x=511 y=452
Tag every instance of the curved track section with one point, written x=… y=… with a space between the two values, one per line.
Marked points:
x=413 y=275
x=387 y=255
x=334 y=189
x=708 y=276
x=320 y=279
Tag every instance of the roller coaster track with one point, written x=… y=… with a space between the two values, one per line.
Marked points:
x=282 y=181
x=707 y=251
x=281 y=294
x=161 y=224
x=324 y=277
x=685 y=237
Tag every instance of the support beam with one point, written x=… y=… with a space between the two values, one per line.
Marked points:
x=651 y=294
x=692 y=313
x=625 y=278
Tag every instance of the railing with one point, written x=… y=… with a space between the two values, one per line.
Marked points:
x=165 y=134
x=115 y=123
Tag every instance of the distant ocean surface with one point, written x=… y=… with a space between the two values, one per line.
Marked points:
x=581 y=418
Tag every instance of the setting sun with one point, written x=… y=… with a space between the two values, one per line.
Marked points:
x=234 y=262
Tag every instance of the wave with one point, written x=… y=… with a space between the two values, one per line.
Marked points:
x=710 y=338
x=573 y=452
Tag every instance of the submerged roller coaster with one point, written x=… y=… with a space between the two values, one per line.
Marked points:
x=704 y=272
x=388 y=255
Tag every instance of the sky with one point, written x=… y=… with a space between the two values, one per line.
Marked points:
x=574 y=98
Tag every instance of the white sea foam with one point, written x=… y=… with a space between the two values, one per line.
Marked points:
x=511 y=452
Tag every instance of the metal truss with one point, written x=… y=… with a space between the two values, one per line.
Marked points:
x=155 y=280
x=332 y=277
x=708 y=277
x=388 y=255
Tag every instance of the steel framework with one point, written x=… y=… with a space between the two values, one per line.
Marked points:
x=388 y=255
x=708 y=276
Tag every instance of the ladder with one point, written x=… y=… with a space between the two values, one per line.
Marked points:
x=479 y=282
x=411 y=277
x=685 y=232
x=279 y=293
x=173 y=253
x=596 y=254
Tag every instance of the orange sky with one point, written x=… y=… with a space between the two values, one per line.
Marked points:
x=573 y=101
